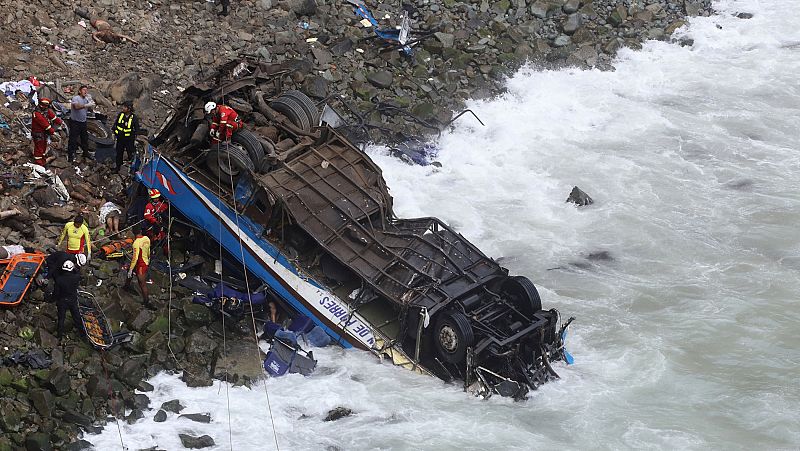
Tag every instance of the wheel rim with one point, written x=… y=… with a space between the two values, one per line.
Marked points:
x=448 y=338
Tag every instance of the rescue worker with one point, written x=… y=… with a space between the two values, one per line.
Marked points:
x=224 y=122
x=77 y=234
x=139 y=263
x=125 y=129
x=155 y=215
x=44 y=125
x=65 y=294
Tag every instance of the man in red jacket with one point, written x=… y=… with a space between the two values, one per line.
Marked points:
x=43 y=126
x=224 y=121
x=154 y=213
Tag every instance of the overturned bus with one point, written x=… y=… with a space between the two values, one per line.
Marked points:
x=309 y=214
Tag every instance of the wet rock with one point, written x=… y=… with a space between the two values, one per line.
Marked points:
x=173 y=406
x=145 y=386
x=76 y=418
x=80 y=445
x=619 y=15
x=134 y=416
x=188 y=441
x=194 y=379
x=337 y=413
x=745 y=15
x=579 y=198
x=38 y=441
x=198 y=417
x=131 y=372
x=160 y=417
x=571 y=6
x=141 y=401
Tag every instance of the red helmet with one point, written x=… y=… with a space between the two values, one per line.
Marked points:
x=44 y=102
x=154 y=193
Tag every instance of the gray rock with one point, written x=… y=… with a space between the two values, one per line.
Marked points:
x=160 y=417
x=9 y=416
x=380 y=79
x=572 y=23
x=337 y=413
x=447 y=39
x=571 y=6
x=173 y=406
x=134 y=416
x=198 y=417
x=199 y=342
x=562 y=41
x=126 y=88
x=619 y=15
x=145 y=386
x=322 y=56
x=539 y=9
x=203 y=441
x=56 y=214
x=285 y=37
x=131 y=372
x=58 y=381
x=745 y=15
x=315 y=86
x=245 y=36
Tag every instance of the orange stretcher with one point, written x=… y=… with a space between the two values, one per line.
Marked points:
x=19 y=272
x=114 y=248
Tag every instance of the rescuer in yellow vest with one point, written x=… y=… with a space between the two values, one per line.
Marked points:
x=125 y=128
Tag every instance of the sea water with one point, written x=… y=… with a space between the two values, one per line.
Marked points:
x=684 y=275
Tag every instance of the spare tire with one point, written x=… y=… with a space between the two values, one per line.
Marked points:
x=99 y=134
x=250 y=143
x=523 y=294
x=293 y=110
x=306 y=104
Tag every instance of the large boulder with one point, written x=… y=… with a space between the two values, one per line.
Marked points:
x=127 y=88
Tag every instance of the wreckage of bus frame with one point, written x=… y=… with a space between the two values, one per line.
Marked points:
x=308 y=214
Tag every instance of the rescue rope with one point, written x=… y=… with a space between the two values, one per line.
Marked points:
x=249 y=300
x=222 y=306
x=111 y=399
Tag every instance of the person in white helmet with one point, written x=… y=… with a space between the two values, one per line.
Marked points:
x=224 y=122
x=65 y=293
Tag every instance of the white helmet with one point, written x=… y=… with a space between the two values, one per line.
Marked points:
x=210 y=107
x=68 y=265
x=81 y=259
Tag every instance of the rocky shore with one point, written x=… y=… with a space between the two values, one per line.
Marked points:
x=52 y=393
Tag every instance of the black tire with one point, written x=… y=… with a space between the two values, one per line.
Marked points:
x=217 y=164
x=99 y=134
x=452 y=335
x=268 y=147
x=228 y=161
x=250 y=143
x=293 y=110
x=306 y=104
x=523 y=294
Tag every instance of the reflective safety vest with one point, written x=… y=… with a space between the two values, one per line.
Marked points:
x=124 y=129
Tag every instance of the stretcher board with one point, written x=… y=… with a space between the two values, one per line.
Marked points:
x=17 y=276
x=95 y=324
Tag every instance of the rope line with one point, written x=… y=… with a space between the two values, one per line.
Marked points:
x=249 y=299
x=222 y=305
